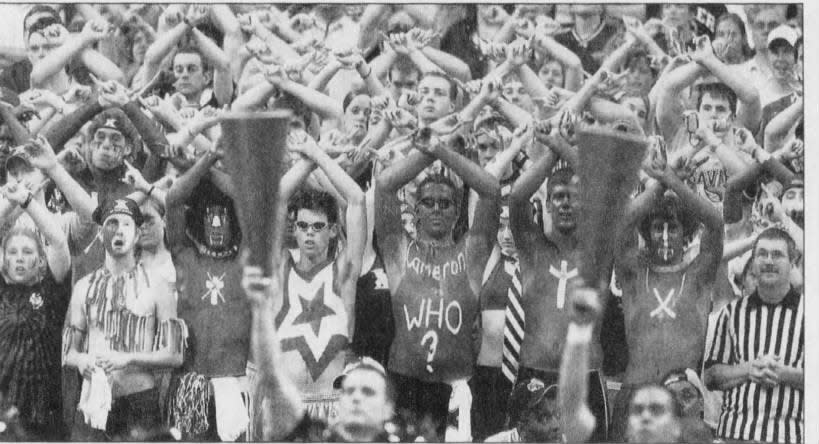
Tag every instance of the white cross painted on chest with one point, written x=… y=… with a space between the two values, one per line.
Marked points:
x=563 y=275
x=664 y=305
x=214 y=286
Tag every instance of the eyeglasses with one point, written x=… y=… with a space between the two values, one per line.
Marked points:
x=316 y=226
x=442 y=204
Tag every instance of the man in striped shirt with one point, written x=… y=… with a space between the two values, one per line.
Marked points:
x=756 y=352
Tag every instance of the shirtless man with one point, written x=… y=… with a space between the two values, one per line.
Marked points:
x=434 y=279
x=124 y=326
x=666 y=299
x=548 y=265
x=315 y=314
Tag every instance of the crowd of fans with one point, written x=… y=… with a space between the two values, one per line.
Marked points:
x=425 y=281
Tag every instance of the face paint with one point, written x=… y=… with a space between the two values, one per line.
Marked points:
x=217 y=226
x=118 y=235
x=666 y=247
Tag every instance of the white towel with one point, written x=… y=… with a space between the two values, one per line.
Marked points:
x=461 y=401
x=231 y=412
x=95 y=399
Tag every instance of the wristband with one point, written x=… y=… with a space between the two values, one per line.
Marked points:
x=579 y=334
x=25 y=203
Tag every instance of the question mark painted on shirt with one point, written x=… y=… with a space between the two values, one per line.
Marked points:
x=432 y=335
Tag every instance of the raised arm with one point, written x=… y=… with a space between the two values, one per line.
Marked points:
x=669 y=108
x=572 y=66
x=73 y=45
x=527 y=233
x=576 y=419
x=749 y=108
x=471 y=173
x=56 y=246
x=320 y=103
x=220 y=63
x=780 y=125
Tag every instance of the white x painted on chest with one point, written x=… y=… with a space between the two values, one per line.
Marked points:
x=664 y=305
x=563 y=275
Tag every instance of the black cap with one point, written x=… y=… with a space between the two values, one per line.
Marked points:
x=115 y=119
x=526 y=395
x=117 y=206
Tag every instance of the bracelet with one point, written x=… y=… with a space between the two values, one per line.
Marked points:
x=25 y=203
x=151 y=190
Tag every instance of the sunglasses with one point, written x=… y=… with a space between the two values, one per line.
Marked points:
x=316 y=226
x=429 y=202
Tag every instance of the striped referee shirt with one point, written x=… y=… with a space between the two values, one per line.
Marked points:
x=747 y=328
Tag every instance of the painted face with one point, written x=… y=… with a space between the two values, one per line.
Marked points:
x=21 y=259
x=435 y=211
x=688 y=397
x=363 y=402
x=515 y=92
x=505 y=239
x=666 y=240
x=356 y=116
x=435 y=102
x=152 y=231
x=108 y=148
x=714 y=109
x=551 y=74
x=651 y=417
x=119 y=234
x=771 y=262
x=191 y=77
x=564 y=205
x=403 y=81
x=313 y=232
x=218 y=234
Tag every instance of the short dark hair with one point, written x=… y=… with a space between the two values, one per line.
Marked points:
x=403 y=65
x=190 y=49
x=315 y=200
x=39 y=9
x=774 y=233
x=433 y=179
x=453 y=87
x=562 y=176
x=668 y=206
x=348 y=98
x=718 y=89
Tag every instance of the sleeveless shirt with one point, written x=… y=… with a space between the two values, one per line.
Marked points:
x=217 y=312
x=313 y=327
x=434 y=310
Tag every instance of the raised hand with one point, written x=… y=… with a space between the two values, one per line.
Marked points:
x=400 y=118
x=348 y=58
x=656 y=164
x=162 y=109
x=173 y=15
x=398 y=43
x=259 y=49
x=703 y=50
x=56 y=34
x=95 y=30
x=409 y=100
x=71 y=160
x=794 y=149
x=15 y=192
x=274 y=74
x=585 y=305
x=518 y=52
x=197 y=14
x=38 y=98
x=39 y=153
x=418 y=38
x=685 y=166
x=491 y=88
x=134 y=178
x=113 y=93
x=258 y=288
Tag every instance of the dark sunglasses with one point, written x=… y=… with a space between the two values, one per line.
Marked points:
x=317 y=226
x=429 y=202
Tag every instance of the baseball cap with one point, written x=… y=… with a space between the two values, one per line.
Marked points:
x=684 y=375
x=16 y=160
x=526 y=395
x=362 y=363
x=117 y=206
x=783 y=32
